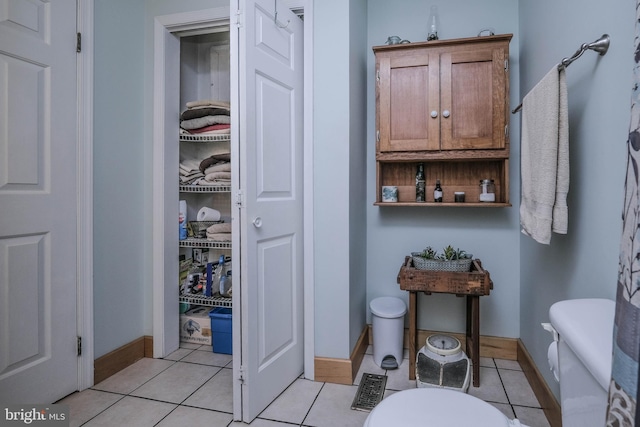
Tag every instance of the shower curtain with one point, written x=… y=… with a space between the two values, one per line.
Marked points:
x=623 y=390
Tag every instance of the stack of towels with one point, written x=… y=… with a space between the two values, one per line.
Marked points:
x=206 y=117
x=220 y=232
x=214 y=170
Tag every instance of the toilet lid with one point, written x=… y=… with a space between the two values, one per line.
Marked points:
x=437 y=407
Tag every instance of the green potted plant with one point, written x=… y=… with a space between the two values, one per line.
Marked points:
x=449 y=260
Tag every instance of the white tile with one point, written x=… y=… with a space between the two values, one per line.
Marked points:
x=132 y=411
x=531 y=417
x=258 y=422
x=133 y=376
x=490 y=389
x=87 y=404
x=518 y=388
x=333 y=408
x=190 y=345
x=179 y=354
x=508 y=364
x=368 y=366
x=215 y=394
x=205 y=357
x=487 y=362
x=176 y=383
x=398 y=379
x=186 y=416
x=294 y=403
x=505 y=408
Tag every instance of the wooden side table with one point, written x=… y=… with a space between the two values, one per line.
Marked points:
x=472 y=285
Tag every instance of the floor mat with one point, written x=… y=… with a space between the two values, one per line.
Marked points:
x=370 y=392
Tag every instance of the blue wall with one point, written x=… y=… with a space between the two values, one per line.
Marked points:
x=489 y=234
x=584 y=262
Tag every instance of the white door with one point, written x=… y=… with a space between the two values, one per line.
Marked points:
x=267 y=74
x=38 y=200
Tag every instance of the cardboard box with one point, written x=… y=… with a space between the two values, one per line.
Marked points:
x=195 y=326
x=221 y=329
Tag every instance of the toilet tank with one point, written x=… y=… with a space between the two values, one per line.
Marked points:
x=585 y=330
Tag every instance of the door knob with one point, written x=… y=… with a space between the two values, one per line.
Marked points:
x=257 y=222
x=434 y=114
x=446 y=114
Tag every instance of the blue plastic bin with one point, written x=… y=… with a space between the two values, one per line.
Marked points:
x=221 y=333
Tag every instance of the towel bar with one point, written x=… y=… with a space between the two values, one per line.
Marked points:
x=601 y=46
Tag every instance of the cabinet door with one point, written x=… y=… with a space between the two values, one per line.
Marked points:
x=407 y=94
x=473 y=95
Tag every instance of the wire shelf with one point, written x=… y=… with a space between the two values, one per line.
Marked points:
x=205 y=188
x=216 y=301
x=205 y=138
x=193 y=242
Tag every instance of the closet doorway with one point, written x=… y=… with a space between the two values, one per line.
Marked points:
x=266 y=213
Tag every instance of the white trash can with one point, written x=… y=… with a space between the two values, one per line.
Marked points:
x=388 y=331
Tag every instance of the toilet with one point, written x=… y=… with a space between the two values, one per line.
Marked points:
x=580 y=358
x=437 y=407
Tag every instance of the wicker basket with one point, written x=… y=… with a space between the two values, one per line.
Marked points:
x=422 y=263
x=199 y=228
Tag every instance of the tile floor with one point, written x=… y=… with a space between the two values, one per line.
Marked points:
x=192 y=386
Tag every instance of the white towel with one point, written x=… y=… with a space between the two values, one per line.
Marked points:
x=544 y=161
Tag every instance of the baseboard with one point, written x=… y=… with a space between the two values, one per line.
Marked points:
x=342 y=371
x=545 y=396
x=120 y=358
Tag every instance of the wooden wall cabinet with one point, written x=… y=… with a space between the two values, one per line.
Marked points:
x=444 y=103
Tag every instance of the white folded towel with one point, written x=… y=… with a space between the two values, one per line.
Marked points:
x=544 y=158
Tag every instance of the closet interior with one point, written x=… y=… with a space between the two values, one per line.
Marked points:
x=204 y=173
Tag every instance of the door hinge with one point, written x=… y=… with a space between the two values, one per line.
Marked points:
x=506 y=131
x=79 y=346
x=241 y=374
x=238 y=22
x=78 y=42
x=239 y=199
x=506 y=65
x=378 y=75
x=377 y=136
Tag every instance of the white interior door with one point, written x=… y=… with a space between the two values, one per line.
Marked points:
x=38 y=200
x=267 y=75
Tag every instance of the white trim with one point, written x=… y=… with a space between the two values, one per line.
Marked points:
x=158 y=191
x=309 y=238
x=84 y=178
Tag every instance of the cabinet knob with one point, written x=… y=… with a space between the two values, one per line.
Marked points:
x=257 y=223
x=446 y=114
x=434 y=114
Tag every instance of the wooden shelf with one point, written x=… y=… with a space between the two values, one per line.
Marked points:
x=445 y=205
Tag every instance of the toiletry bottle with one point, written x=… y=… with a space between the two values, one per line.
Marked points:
x=437 y=192
x=182 y=220
x=220 y=274
x=420 y=184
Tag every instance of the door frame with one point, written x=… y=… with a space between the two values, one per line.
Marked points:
x=84 y=166
x=196 y=21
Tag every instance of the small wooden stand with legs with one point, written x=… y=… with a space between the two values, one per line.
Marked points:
x=472 y=285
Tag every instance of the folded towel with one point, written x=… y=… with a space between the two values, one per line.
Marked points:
x=223 y=227
x=544 y=157
x=208 y=130
x=219 y=167
x=217 y=176
x=215 y=159
x=201 y=122
x=208 y=102
x=194 y=113
x=220 y=237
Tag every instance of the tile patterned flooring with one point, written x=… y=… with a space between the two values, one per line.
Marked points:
x=192 y=386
